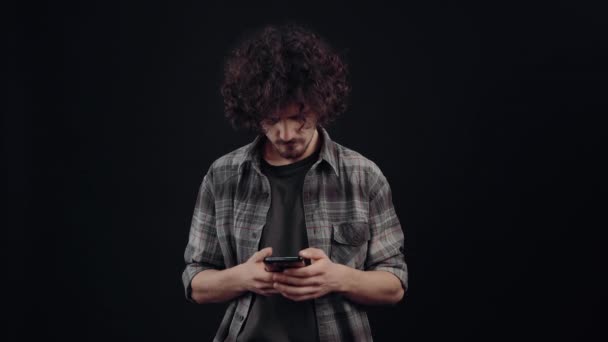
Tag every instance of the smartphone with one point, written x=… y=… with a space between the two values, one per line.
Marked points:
x=278 y=264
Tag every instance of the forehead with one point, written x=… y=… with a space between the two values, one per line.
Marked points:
x=290 y=109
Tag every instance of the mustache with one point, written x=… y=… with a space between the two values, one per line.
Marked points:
x=290 y=142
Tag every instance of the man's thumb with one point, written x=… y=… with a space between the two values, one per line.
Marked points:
x=312 y=253
x=261 y=254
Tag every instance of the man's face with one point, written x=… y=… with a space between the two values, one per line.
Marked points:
x=290 y=130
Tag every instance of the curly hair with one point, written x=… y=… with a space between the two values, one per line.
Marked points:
x=278 y=65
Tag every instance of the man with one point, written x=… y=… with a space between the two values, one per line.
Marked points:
x=292 y=191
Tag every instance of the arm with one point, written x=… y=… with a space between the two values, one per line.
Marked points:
x=385 y=278
x=213 y=286
x=386 y=246
x=205 y=277
x=371 y=287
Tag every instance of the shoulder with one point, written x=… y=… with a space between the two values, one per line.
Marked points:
x=353 y=163
x=360 y=172
x=228 y=165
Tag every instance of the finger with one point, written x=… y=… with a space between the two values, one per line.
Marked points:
x=261 y=254
x=263 y=286
x=295 y=290
x=304 y=272
x=269 y=292
x=296 y=281
x=265 y=277
x=313 y=253
x=302 y=298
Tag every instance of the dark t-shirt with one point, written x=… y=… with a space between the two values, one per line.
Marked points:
x=276 y=318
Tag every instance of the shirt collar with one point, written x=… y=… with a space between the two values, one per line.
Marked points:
x=328 y=153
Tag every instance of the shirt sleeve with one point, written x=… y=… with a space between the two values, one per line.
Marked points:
x=386 y=250
x=203 y=250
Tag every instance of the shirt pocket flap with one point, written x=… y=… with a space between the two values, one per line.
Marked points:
x=351 y=233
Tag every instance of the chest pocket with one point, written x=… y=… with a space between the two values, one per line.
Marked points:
x=349 y=243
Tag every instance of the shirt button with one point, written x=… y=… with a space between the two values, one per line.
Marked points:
x=241 y=318
x=254 y=235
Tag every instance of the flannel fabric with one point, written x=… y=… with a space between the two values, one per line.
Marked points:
x=348 y=212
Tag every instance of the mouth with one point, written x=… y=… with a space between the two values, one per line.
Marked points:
x=289 y=145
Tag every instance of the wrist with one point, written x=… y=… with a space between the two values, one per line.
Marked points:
x=239 y=275
x=347 y=277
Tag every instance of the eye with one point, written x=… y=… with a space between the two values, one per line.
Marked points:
x=271 y=121
x=301 y=117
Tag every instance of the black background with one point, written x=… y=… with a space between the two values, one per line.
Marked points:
x=485 y=118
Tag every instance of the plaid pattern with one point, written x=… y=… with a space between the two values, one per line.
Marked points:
x=348 y=213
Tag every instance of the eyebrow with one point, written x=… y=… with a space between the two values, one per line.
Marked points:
x=300 y=112
x=273 y=117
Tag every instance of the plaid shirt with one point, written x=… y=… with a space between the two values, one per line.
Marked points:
x=348 y=212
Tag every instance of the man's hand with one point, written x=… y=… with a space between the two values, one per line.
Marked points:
x=256 y=278
x=313 y=281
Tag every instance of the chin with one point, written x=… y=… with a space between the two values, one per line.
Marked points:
x=293 y=154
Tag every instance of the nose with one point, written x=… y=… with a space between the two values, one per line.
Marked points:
x=286 y=130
